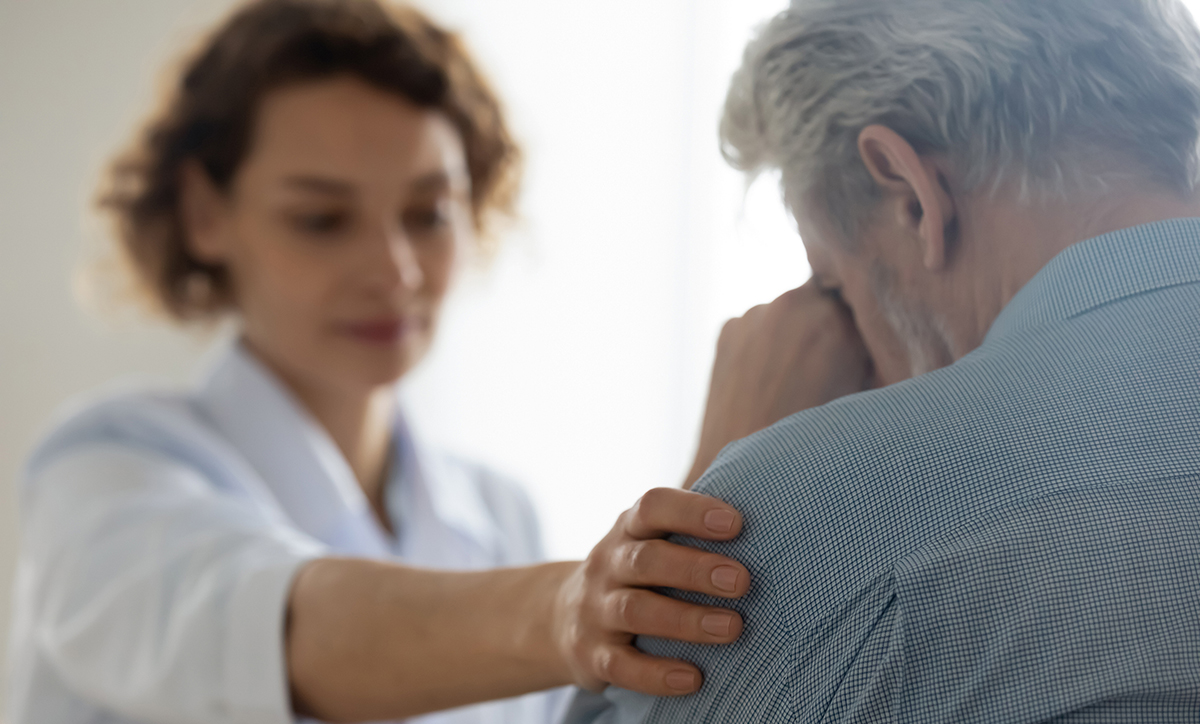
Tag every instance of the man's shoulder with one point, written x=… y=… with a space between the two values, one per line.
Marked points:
x=838 y=487
x=905 y=431
x=848 y=487
x=1032 y=443
x=1108 y=388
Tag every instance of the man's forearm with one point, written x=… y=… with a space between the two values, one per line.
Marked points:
x=369 y=640
x=800 y=351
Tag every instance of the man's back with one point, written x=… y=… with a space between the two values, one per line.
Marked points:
x=1013 y=538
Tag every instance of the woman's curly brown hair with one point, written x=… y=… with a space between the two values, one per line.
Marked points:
x=208 y=117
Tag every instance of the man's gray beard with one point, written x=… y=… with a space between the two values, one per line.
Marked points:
x=924 y=334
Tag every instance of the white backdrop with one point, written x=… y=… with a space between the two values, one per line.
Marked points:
x=578 y=363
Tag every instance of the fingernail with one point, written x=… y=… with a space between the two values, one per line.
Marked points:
x=717 y=624
x=725 y=578
x=681 y=680
x=719 y=521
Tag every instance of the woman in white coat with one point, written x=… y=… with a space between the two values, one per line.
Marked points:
x=275 y=544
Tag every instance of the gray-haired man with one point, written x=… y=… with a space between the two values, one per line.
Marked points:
x=1008 y=529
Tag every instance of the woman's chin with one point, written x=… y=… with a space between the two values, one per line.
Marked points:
x=379 y=365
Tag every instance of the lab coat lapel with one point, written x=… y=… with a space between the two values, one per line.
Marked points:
x=443 y=516
x=302 y=466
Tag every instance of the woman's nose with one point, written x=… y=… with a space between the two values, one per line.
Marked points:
x=395 y=263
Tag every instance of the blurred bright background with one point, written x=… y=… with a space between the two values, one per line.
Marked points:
x=577 y=363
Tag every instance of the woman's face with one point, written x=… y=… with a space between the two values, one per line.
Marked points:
x=341 y=231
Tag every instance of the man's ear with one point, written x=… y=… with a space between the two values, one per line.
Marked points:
x=913 y=187
x=203 y=209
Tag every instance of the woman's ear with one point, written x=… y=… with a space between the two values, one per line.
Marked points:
x=203 y=209
x=914 y=187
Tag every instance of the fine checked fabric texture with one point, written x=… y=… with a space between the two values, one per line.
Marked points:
x=161 y=532
x=1014 y=538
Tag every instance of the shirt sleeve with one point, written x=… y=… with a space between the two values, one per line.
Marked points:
x=612 y=706
x=155 y=595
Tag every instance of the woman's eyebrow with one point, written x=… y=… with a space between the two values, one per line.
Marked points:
x=434 y=181
x=429 y=183
x=320 y=184
x=441 y=180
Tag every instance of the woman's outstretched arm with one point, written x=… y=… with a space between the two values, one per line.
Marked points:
x=369 y=640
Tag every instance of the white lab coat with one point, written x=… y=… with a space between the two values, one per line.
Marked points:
x=161 y=533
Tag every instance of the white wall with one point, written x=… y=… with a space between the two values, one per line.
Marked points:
x=578 y=363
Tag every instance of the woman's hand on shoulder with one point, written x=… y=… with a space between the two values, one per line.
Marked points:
x=608 y=599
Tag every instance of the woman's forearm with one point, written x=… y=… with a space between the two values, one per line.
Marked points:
x=369 y=640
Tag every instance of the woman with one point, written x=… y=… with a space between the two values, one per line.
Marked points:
x=264 y=547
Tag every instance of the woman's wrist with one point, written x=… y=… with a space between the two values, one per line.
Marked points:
x=539 y=619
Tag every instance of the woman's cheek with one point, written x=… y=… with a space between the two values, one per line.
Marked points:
x=440 y=266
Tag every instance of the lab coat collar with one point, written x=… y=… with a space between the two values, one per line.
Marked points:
x=295 y=456
x=314 y=483
x=451 y=490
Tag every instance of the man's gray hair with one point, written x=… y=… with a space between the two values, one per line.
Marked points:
x=1038 y=91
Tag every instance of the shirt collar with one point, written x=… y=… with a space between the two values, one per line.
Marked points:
x=1102 y=270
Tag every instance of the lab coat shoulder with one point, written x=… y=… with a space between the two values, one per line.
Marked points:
x=146 y=584
x=156 y=424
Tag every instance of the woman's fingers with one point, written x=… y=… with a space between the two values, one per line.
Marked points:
x=605 y=602
x=662 y=564
x=646 y=613
x=669 y=510
x=628 y=668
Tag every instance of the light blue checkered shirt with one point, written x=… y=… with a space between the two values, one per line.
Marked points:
x=1015 y=538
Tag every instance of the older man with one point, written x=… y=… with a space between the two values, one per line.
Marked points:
x=1001 y=193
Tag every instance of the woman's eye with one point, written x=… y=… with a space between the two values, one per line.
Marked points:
x=322 y=223
x=433 y=218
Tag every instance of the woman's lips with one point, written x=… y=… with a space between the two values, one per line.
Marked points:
x=381 y=331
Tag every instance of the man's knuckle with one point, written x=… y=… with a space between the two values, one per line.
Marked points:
x=808 y=292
